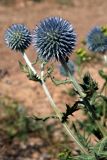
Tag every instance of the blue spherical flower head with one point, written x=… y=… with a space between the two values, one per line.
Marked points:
x=18 y=37
x=55 y=38
x=71 y=66
x=96 y=40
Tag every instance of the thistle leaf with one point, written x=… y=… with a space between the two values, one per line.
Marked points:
x=89 y=85
x=23 y=67
x=70 y=110
x=101 y=146
x=30 y=74
x=103 y=74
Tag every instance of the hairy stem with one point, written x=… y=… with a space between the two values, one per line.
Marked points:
x=53 y=105
x=28 y=62
x=73 y=80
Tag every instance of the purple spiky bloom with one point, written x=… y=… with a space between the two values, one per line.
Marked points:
x=18 y=37
x=96 y=40
x=55 y=38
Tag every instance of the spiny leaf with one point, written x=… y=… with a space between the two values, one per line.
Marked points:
x=30 y=74
x=43 y=118
x=66 y=155
x=23 y=67
x=101 y=146
x=90 y=107
x=103 y=74
x=87 y=157
x=85 y=140
x=89 y=85
x=70 y=111
x=33 y=77
x=102 y=156
x=49 y=72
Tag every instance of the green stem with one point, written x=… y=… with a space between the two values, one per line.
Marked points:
x=105 y=58
x=73 y=80
x=82 y=95
x=53 y=105
x=101 y=128
x=104 y=85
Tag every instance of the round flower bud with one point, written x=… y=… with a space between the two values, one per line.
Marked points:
x=54 y=37
x=18 y=37
x=96 y=40
x=71 y=66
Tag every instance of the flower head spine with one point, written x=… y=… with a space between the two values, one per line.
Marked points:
x=55 y=38
x=18 y=37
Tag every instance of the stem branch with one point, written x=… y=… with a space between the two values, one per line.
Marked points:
x=53 y=105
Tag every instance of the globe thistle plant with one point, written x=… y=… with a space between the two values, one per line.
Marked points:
x=18 y=37
x=96 y=40
x=54 y=37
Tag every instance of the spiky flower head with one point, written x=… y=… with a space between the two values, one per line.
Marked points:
x=71 y=66
x=18 y=37
x=96 y=40
x=55 y=38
